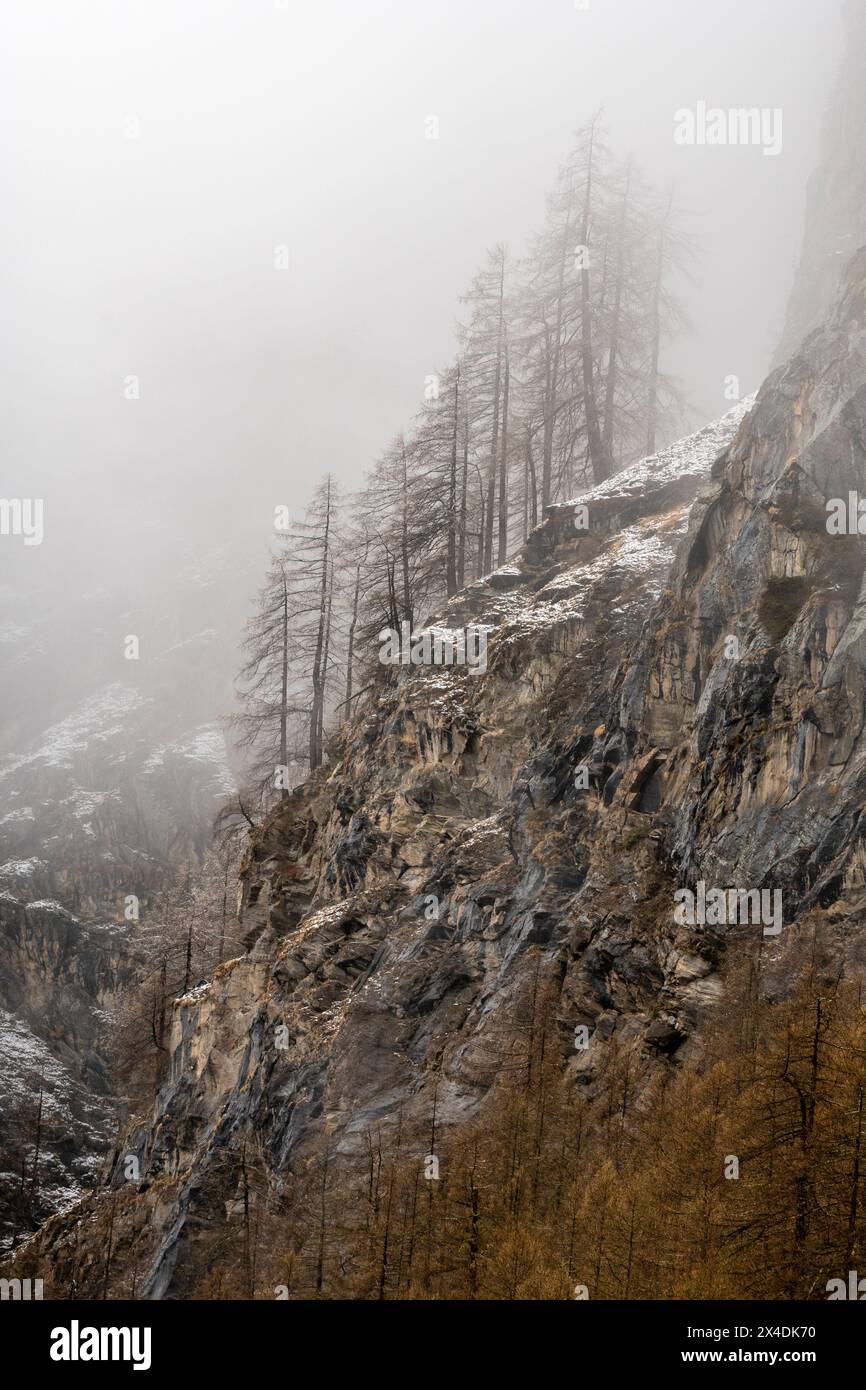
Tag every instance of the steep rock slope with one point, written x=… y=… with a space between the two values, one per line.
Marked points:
x=109 y=781
x=58 y=983
x=398 y=904
x=675 y=693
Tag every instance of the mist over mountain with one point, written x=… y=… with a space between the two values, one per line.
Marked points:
x=432 y=766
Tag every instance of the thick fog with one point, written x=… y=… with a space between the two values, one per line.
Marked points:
x=155 y=153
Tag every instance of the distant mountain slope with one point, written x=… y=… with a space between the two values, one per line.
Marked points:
x=111 y=776
x=113 y=773
x=58 y=983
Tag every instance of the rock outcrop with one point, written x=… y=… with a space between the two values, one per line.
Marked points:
x=117 y=773
x=59 y=982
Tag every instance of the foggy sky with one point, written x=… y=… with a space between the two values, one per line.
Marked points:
x=262 y=125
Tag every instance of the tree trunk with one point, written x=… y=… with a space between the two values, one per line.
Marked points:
x=853 y=1205
x=552 y=382
x=653 y=384
x=108 y=1251
x=34 y=1176
x=451 y=563
x=599 y=457
x=187 y=969
x=494 y=442
x=284 y=686
x=320 y=733
x=533 y=484
x=479 y=564
x=613 y=350
x=386 y=1240
x=315 y=754
x=350 y=656
x=461 y=555
x=503 y=472
x=407 y=596
x=224 y=917
x=320 y=1258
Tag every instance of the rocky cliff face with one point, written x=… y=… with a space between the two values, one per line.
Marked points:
x=675 y=693
x=106 y=795
x=58 y=983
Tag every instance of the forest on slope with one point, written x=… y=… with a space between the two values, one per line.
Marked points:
x=558 y=382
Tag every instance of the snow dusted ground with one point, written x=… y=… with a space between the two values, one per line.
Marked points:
x=23 y=1058
x=637 y=559
x=695 y=454
x=68 y=1108
x=21 y=868
x=110 y=775
x=75 y=781
x=98 y=719
x=206 y=746
x=628 y=566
